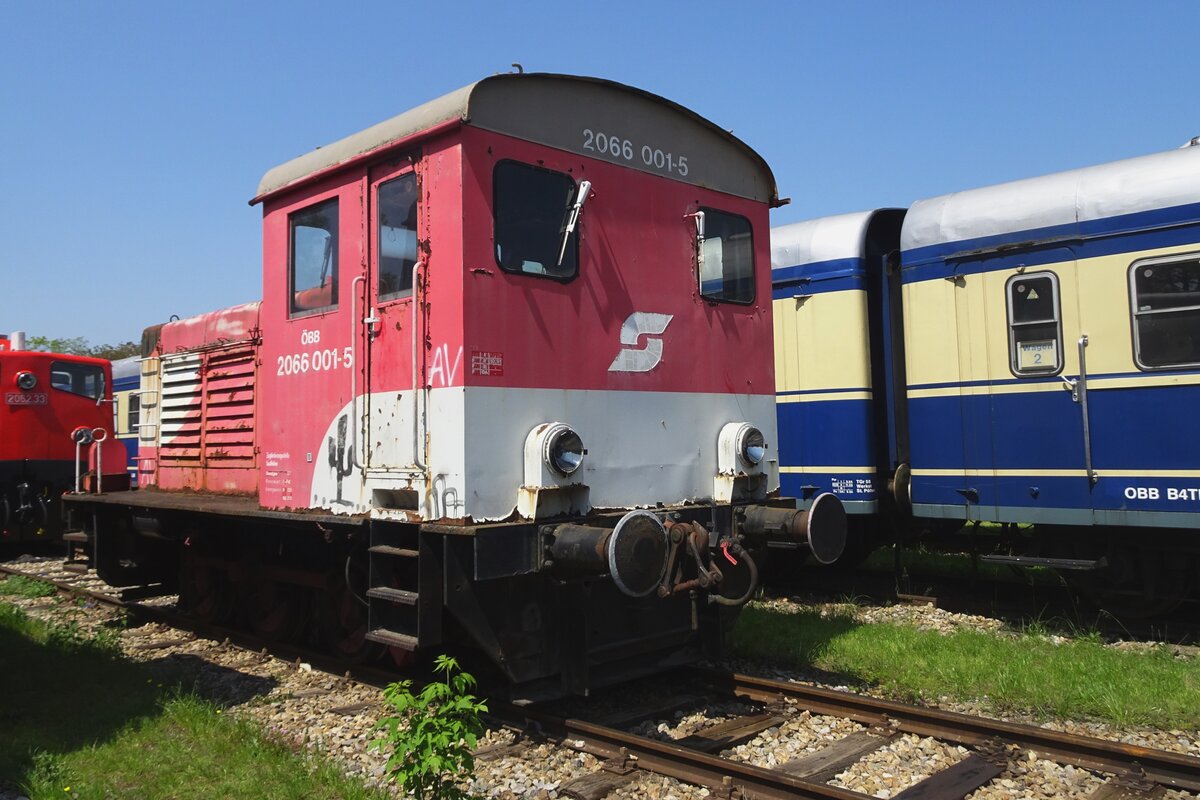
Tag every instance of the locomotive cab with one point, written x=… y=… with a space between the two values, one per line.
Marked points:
x=463 y=282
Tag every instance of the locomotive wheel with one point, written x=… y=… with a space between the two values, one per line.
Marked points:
x=277 y=610
x=1139 y=583
x=342 y=616
x=206 y=591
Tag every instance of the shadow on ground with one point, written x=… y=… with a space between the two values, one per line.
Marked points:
x=65 y=691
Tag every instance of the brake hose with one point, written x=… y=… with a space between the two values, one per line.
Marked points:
x=740 y=552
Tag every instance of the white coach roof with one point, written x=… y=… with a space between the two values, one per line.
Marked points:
x=1146 y=183
x=126 y=367
x=559 y=111
x=822 y=239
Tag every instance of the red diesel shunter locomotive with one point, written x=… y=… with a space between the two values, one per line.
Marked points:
x=509 y=385
x=45 y=398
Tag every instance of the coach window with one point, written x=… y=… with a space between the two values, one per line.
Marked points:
x=133 y=413
x=1034 y=324
x=313 y=257
x=397 y=203
x=82 y=379
x=1166 y=312
x=531 y=207
x=726 y=257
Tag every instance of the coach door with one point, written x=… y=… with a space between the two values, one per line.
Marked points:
x=1039 y=408
x=394 y=439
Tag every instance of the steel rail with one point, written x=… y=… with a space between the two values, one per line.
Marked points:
x=1169 y=769
x=67 y=587
x=664 y=758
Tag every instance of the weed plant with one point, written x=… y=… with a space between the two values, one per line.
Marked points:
x=1028 y=672
x=432 y=734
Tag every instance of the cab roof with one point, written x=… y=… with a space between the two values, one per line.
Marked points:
x=554 y=110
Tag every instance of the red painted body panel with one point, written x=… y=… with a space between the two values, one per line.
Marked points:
x=208 y=417
x=299 y=405
x=636 y=253
x=296 y=405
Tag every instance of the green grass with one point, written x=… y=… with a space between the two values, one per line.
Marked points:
x=1025 y=672
x=24 y=586
x=88 y=724
x=189 y=750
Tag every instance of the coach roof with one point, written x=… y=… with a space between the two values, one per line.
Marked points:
x=823 y=239
x=1161 y=180
x=554 y=110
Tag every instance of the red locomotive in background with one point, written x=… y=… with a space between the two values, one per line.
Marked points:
x=49 y=404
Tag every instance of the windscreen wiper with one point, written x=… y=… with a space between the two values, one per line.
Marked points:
x=585 y=188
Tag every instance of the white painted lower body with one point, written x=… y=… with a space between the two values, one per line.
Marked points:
x=643 y=448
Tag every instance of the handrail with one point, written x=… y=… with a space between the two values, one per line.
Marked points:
x=1081 y=389
x=354 y=323
x=80 y=436
x=418 y=270
x=98 y=437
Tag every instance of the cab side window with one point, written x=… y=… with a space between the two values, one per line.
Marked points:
x=82 y=379
x=531 y=207
x=1165 y=293
x=725 y=252
x=397 y=204
x=313 y=257
x=1034 y=324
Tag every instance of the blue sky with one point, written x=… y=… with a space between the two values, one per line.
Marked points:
x=132 y=134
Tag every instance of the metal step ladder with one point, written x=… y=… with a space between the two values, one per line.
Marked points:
x=393 y=597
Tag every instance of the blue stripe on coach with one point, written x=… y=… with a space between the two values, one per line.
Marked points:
x=830 y=432
x=819 y=277
x=1134 y=428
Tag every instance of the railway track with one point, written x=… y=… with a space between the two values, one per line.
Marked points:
x=1131 y=771
x=704 y=758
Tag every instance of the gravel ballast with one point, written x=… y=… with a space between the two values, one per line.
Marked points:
x=329 y=717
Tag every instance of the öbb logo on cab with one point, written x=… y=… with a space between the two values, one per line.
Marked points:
x=631 y=358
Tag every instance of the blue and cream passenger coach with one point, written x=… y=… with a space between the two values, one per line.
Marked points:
x=1031 y=355
x=1052 y=328
x=835 y=286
